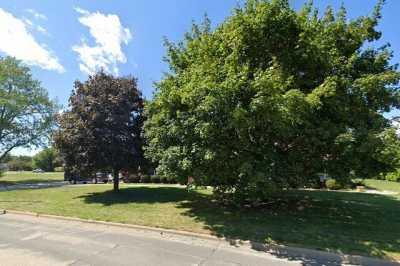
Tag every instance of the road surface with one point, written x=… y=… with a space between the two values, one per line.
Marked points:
x=38 y=185
x=26 y=240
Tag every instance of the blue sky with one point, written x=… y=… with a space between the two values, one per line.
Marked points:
x=65 y=40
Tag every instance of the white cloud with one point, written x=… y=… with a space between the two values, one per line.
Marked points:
x=81 y=11
x=38 y=28
x=17 y=41
x=41 y=30
x=36 y=14
x=109 y=35
x=28 y=22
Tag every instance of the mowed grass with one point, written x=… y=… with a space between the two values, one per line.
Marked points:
x=354 y=223
x=26 y=177
x=383 y=185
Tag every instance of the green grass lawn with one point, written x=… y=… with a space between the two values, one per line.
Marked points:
x=26 y=177
x=355 y=223
x=383 y=185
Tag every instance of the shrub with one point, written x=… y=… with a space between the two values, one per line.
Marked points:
x=314 y=183
x=393 y=176
x=332 y=184
x=145 y=179
x=155 y=179
x=132 y=178
x=165 y=180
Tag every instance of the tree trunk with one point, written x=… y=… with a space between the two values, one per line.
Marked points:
x=116 y=180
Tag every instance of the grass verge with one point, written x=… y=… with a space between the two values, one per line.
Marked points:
x=383 y=185
x=26 y=177
x=353 y=223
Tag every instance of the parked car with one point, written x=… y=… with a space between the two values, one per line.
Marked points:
x=38 y=170
x=74 y=177
x=101 y=177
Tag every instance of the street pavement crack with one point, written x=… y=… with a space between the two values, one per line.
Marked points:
x=213 y=251
x=106 y=250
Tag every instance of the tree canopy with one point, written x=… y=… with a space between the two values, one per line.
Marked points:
x=18 y=163
x=388 y=155
x=101 y=130
x=47 y=160
x=272 y=97
x=26 y=112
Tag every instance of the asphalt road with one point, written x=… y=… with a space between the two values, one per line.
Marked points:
x=28 y=240
x=33 y=185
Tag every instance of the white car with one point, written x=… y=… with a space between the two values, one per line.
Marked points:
x=38 y=170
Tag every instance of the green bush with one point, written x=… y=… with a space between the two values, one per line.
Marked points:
x=165 y=180
x=332 y=184
x=393 y=176
x=155 y=179
x=145 y=179
x=132 y=178
x=314 y=183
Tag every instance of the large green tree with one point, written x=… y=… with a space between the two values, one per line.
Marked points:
x=101 y=130
x=271 y=98
x=26 y=112
x=47 y=160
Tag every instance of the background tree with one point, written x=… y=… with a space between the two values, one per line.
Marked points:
x=47 y=160
x=271 y=98
x=388 y=155
x=101 y=131
x=18 y=163
x=26 y=112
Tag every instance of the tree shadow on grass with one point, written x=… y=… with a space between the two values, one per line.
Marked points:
x=352 y=223
x=139 y=194
x=344 y=222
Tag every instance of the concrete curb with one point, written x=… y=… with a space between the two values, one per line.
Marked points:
x=291 y=253
x=132 y=226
